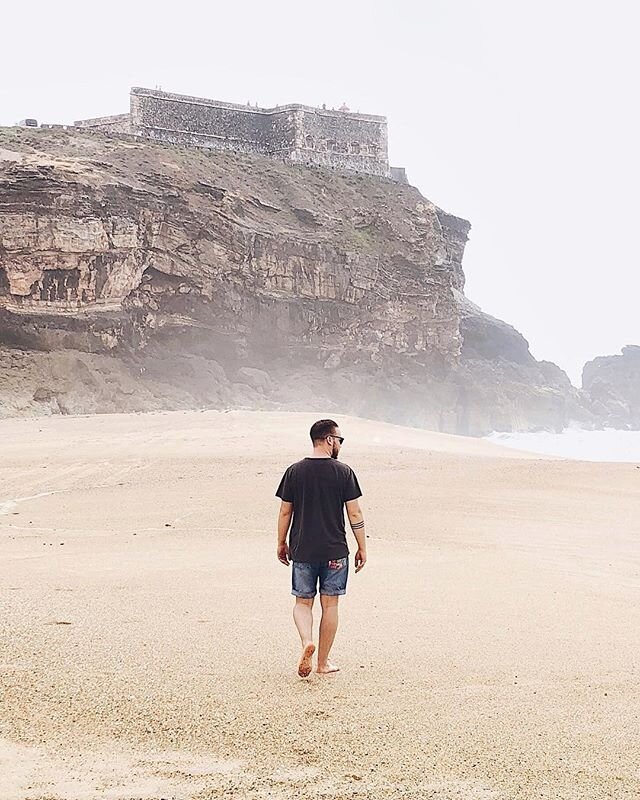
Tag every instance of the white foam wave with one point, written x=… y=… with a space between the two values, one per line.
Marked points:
x=607 y=445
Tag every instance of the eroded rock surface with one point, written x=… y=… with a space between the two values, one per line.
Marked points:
x=136 y=276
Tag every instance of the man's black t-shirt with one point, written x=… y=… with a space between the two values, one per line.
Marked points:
x=318 y=489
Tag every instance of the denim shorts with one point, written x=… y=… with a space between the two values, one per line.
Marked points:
x=332 y=575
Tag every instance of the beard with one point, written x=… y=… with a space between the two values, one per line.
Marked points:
x=334 y=452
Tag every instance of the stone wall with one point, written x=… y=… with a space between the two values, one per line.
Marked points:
x=399 y=174
x=340 y=140
x=190 y=120
x=117 y=123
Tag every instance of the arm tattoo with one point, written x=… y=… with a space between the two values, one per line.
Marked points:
x=357 y=525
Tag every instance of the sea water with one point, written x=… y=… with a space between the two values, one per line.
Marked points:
x=607 y=445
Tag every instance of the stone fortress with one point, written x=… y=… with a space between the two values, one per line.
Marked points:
x=340 y=140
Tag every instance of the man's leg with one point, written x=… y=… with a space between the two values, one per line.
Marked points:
x=303 y=617
x=328 y=628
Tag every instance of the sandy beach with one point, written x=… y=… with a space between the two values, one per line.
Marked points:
x=489 y=649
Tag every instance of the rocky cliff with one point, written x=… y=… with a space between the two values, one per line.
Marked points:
x=612 y=386
x=137 y=276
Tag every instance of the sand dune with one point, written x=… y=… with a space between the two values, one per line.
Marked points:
x=489 y=649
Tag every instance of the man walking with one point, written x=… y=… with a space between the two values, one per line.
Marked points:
x=314 y=492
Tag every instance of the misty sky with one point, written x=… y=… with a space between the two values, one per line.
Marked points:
x=521 y=117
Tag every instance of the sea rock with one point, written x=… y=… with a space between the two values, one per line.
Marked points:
x=612 y=386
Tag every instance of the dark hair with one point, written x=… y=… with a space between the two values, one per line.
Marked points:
x=321 y=429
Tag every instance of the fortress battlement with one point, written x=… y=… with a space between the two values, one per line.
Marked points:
x=342 y=140
x=247 y=108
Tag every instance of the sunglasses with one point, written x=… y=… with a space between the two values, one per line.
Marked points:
x=339 y=438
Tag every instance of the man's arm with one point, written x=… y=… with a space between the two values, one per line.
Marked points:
x=356 y=520
x=284 y=521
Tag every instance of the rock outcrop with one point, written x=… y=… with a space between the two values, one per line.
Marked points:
x=612 y=386
x=137 y=276
x=505 y=387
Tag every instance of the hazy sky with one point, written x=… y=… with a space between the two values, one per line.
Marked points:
x=521 y=117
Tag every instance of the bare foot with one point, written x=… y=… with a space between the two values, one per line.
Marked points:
x=304 y=665
x=327 y=669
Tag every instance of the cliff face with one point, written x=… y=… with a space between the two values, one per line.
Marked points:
x=157 y=277
x=612 y=385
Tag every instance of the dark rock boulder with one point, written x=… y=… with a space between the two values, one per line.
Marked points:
x=612 y=387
